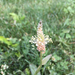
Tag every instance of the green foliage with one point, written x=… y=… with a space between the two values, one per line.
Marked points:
x=16 y=17
x=46 y=59
x=4 y=40
x=33 y=69
x=18 y=22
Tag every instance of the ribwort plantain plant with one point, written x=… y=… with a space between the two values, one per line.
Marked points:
x=40 y=40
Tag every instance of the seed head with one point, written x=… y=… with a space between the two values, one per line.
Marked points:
x=41 y=40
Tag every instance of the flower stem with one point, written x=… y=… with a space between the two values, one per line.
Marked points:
x=38 y=69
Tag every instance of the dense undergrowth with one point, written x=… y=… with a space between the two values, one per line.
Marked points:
x=18 y=22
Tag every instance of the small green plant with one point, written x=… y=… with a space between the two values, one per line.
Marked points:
x=16 y=17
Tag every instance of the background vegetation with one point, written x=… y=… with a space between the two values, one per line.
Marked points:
x=18 y=22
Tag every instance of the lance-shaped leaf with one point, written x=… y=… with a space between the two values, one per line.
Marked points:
x=46 y=59
x=33 y=69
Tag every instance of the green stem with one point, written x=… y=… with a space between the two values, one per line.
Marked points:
x=38 y=69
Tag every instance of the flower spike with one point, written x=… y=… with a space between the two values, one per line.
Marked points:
x=41 y=40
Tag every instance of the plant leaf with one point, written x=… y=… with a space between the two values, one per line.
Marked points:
x=45 y=60
x=14 y=16
x=19 y=71
x=33 y=69
x=68 y=36
x=56 y=58
x=4 y=40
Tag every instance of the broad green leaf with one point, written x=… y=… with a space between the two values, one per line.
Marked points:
x=14 y=16
x=4 y=40
x=14 y=45
x=33 y=69
x=68 y=36
x=45 y=60
x=56 y=58
x=1 y=38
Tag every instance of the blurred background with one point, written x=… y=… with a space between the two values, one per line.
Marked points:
x=18 y=23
